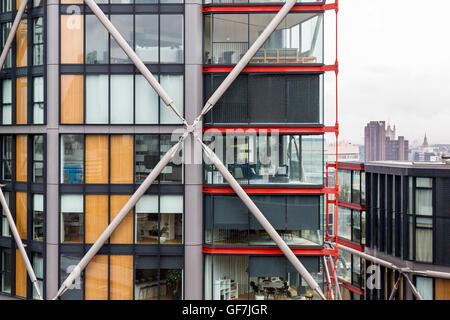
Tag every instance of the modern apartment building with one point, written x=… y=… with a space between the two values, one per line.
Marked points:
x=402 y=219
x=81 y=129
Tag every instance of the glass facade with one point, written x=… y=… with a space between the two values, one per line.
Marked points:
x=297 y=40
x=233 y=277
x=268 y=159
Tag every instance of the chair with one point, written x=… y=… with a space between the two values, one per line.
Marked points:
x=254 y=288
x=290 y=296
x=270 y=292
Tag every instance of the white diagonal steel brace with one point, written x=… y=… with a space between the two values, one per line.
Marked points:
x=261 y=219
x=120 y=216
x=394 y=290
x=391 y=266
x=327 y=274
x=19 y=243
x=189 y=130
x=12 y=32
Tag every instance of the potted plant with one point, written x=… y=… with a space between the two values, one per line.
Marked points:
x=173 y=283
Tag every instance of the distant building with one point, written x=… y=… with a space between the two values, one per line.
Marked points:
x=381 y=144
x=428 y=153
x=347 y=152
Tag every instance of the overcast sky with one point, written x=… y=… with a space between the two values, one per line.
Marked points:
x=394 y=61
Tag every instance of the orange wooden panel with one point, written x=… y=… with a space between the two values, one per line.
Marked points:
x=96 y=283
x=21 y=158
x=21 y=100
x=124 y=232
x=122 y=159
x=72 y=38
x=442 y=289
x=21 y=44
x=21 y=214
x=21 y=276
x=96 y=216
x=97 y=159
x=71 y=99
x=121 y=277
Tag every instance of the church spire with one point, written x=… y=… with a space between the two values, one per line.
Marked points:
x=425 y=141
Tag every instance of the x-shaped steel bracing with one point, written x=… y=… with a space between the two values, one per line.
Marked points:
x=189 y=130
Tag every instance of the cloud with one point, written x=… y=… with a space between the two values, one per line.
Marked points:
x=394 y=66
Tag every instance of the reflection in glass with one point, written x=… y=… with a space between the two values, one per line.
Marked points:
x=38 y=100
x=146 y=155
x=173 y=172
x=171 y=42
x=38 y=41
x=124 y=24
x=147 y=37
x=122 y=89
x=96 y=41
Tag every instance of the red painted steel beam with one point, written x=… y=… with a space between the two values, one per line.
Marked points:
x=270 y=190
x=351 y=288
x=351 y=244
x=273 y=68
x=267 y=8
x=300 y=129
x=352 y=206
x=265 y=251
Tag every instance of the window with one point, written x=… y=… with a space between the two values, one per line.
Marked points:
x=38 y=217
x=257 y=277
x=6 y=5
x=269 y=159
x=72 y=155
x=97 y=51
x=38 y=159
x=146 y=100
x=38 y=3
x=67 y=263
x=38 y=267
x=296 y=218
x=38 y=41
x=298 y=39
x=173 y=172
x=72 y=218
x=158 y=277
x=6 y=263
x=7 y=147
x=345 y=223
x=147 y=38
x=122 y=99
x=6 y=105
x=248 y=100
x=147 y=210
x=424 y=239
x=425 y=287
x=97 y=99
x=424 y=196
x=6 y=232
x=356 y=187
x=38 y=100
x=345 y=185
x=174 y=86
x=124 y=24
x=6 y=27
x=171 y=42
